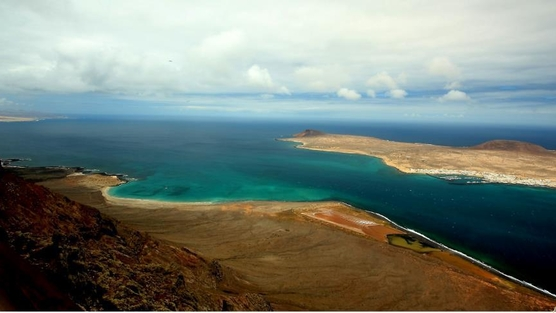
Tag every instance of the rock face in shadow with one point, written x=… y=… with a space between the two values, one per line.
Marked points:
x=24 y=287
x=511 y=145
x=85 y=260
x=309 y=133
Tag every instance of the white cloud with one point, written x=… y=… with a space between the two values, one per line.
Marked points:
x=402 y=78
x=222 y=44
x=452 y=85
x=322 y=78
x=442 y=66
x=211 y=44
x=61 y=48
x=284 y=90
x=348 y=94
x=455 y=95
x=397 y=93
x=260 y=77
x=381 y=82
x=384 y=82
x=312 y=77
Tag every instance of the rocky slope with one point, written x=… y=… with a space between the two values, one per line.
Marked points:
x=59 y=254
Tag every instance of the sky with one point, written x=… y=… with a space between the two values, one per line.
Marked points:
x=429 y=61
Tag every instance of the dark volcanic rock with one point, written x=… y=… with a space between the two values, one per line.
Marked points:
x=511 y=145
x=25 y=287
x=309 y=133
x=101 y=264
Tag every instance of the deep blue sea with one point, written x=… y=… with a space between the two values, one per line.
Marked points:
x=511 y=228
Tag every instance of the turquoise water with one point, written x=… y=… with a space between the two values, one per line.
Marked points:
x=508 y=227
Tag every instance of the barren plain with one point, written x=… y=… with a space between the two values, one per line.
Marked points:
x=312 y=255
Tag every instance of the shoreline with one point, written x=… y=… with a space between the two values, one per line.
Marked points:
x=492 y=178
x=311 y=210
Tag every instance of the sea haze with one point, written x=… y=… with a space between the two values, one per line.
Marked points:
x=507 y=227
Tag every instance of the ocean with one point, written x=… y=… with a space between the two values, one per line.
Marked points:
x=510 y=228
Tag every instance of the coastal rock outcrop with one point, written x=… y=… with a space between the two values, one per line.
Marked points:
x=89 y=261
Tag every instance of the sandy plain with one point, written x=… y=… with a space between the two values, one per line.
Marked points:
x=312 y=255
x=511 y=166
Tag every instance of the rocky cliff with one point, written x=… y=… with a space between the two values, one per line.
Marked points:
x=59 y=254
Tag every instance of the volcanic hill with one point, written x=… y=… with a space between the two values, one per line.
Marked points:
x=511 y=145
x=309 y=133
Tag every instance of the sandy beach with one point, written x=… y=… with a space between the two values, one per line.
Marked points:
x=515 y=165
x=312 y=255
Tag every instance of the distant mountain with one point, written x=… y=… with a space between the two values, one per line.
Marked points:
x=511 y=145
x=61 y=255
x=309 y=133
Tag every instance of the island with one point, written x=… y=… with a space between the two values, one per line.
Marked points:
x=497 y=161
x=4 y=118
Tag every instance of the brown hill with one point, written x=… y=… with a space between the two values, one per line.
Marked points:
x=93 y=262
x=511 y=145
x=309 y=133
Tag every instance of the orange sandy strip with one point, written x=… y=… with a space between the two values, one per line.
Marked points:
x=379 y=232
x=356 y=224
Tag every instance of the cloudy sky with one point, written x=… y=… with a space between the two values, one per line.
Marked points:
x=451 y=61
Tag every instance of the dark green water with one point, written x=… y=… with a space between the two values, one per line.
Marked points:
x=508 y=227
